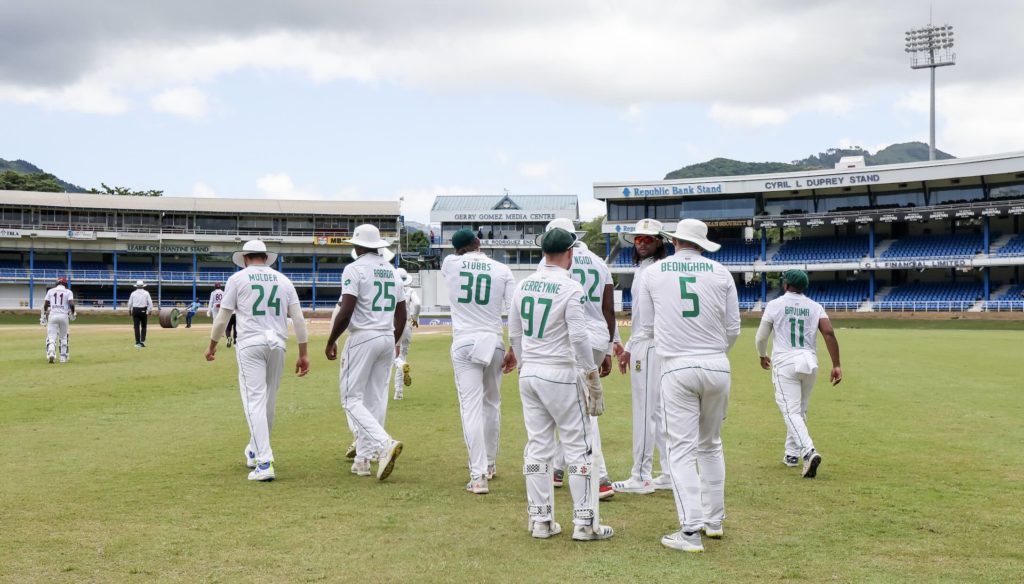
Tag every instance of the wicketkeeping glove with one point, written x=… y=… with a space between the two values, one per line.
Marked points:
x=595 y=403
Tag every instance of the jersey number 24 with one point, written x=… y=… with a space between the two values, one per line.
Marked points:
x=272 y=302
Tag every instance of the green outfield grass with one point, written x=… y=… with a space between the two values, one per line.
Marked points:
x=126 y=466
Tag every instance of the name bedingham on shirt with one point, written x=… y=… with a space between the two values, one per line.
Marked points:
x=547 y=311
x=373 y=282
x=794 y=319
x=60 y=300
x=260 y=297
x=694 y=305
x=479 y=290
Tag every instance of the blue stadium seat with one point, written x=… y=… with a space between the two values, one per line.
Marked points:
x=927 y=246
x=822 y=250
x=1014 y=247
x=936 y=296
x=838 y=295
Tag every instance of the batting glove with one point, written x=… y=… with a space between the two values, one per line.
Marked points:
x=72 y=317
x=595 y=401
x=42 y=321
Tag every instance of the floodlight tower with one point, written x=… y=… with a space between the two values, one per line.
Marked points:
x=930 y=47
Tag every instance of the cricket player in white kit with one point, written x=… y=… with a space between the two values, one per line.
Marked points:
x=796 y=320
x=403 y=372
x=58 y=309
x=696 y=321
x=213 y=306
x=593 y=275
x=372 y=305
x=644 y=368
x=548 y=331
x=479 y=290
x=140 y=304
x=263 y=300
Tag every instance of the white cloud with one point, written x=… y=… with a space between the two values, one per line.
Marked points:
x=186 y=102
x=281 y=186
x=84 y=97
x=591 y=207
x=203 y=190
x=536 y=170
x=747 y=116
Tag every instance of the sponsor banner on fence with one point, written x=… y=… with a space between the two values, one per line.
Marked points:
x=961 y=212
x=10 y=233
x=85 y=235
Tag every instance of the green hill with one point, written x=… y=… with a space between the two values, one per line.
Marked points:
x=40 y=179
x=894 y=154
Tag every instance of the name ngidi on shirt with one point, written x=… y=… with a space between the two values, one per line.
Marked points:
x=593 y=275
x=377 y=290
x=794 y=319
x=479 y=290
x=547 y=312
x=260 y=297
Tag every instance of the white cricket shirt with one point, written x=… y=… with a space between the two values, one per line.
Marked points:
x=640 y=318
x=60 y=299
x=593 y=276
x=216 y=297
x=260 y=297
x=479 y=290
x=412 y=301
x=794 y=319
x=377 y=290
x=547 y=322
x=140 y=298
x=693 y=303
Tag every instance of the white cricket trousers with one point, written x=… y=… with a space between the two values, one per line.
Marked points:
x=479 y=391
x=553 y=399
x=260 y=365
x=400 y=360
x=598 y=452
x=365 y=365
x=695 y=395
x=57 y=335
x=645 y=378
x=793 y=394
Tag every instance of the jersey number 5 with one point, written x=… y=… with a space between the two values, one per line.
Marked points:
x=527 y=310
x=272 y=302
x=479 y=294
x=691 y=296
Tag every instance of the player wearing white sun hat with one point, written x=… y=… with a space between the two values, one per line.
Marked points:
x=403 y=371
x=140 y=304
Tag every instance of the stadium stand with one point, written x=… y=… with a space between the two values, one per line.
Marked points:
x=735 y=252
x=932 y=296
x=839 y=295
x=822 y=249
x=748 y=296
x=1012 y=299
x=927 y=246
x=1014 y=247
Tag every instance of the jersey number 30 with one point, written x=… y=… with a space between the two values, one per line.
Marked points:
x=272 y=302
x=478 y=294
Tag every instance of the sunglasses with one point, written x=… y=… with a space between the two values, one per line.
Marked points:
x=643 y=239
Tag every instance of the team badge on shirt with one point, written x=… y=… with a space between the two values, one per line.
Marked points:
x=638 y=364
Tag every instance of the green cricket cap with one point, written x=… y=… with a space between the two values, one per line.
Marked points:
x=557 y=240
x=797 y=279
x=462 y=238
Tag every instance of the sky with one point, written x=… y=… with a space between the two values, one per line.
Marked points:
x=355 y=100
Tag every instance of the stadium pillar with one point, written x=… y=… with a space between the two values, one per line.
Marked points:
x=31 y=274
x=764 y=244
x=115 y=280
x=871 y=285
x=871 y=240
x=313 y=307
x=195 y=270
x=159 y=280
x=764 y=288
x=985 y=279
x=279 y=262
x=69 y=268
x=607 y=244
x=986 y=233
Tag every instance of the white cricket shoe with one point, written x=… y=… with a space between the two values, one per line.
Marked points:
x=263 y=472
x=250 y=458
x=684 y=541
x=387 y=459
x=714 y=530
x=50 y=357
x=398 y=395
x=350 y=452
x=361 y=468
x=63 y=359
x=492 y=471
x=662 y=482
x=544 y=529
x=631 y=485
x=478 y=486
x=791 y=460
x=591 y=533
x=811 y=461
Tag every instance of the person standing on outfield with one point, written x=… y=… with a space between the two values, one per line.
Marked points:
x=140 y=304
x=644 y=368
x=403 y=373
x=372 y=304
x=263 y=299
x=213 y=307
x=796 y=320
x=58 y=309
x=191 y=311
x=696 y=320
x=548 y=331
x=479 y=289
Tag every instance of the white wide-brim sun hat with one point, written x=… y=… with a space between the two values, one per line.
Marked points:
x=693 y=231
x=566 y=224
x=404 y=276
x=385 y=252
x=368 y=236
x=254 y=246
x=140 y=284
x=651 y=227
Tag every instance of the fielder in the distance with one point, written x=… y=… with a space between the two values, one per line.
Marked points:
x=140 y=304
x=372 y=305
x=644 y=368
x=548 y=332
x=213 y=307
x=58 y=309
x=796 y=321
x=262 y=299
x=479 y=289
x=403 y=372
x=696 y=321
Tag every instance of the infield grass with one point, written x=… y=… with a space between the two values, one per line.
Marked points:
x=126 y=466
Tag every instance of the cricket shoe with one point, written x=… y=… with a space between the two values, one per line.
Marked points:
x=605 y=490
x=361 y=469
x=228 y=342
x=406 y=375
x=558 y=478
x=51 y=358
x=63 y=359
x=387 y=459
x=350 y=453
x=544 y=529
x=492 y=471
x=591 y=533
x=662 y=482
x=478 y=486
x=633 y=486
x=791 y=460
x=138 y=345
x=684 y=541
x=811 y=461
x=714 y=530
x=399 y=395
x=250 y=458
x=263 y=472
x=143 y=344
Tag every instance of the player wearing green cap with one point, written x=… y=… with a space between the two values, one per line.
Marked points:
x=796 y=321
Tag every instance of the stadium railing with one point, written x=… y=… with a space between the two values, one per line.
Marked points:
x=924 y=306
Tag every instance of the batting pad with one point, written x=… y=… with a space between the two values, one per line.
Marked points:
x=532 y=467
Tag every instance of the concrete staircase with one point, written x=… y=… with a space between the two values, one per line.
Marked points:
x=884 y=245
x=880 y=294
x=1000 y=243
x=771 y=251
